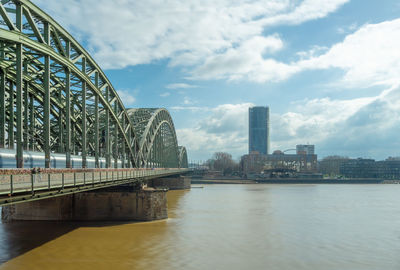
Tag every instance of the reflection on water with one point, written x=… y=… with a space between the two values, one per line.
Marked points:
x=227 y=227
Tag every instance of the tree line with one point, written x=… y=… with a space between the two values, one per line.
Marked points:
x=223 y=162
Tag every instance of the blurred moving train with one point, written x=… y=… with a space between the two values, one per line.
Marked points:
x=36 y=159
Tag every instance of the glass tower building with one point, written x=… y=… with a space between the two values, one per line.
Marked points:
x=259 y=129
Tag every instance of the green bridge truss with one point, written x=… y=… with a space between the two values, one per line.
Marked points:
x=54 y=98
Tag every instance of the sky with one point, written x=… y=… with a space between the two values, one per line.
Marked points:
x=328 y=70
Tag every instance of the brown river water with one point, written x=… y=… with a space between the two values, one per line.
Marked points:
x=227 y=227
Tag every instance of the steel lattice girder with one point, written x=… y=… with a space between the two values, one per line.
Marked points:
x=37 y=90
x=64 y=100
x=64 y=51
x=183 y=160
x=158 y=144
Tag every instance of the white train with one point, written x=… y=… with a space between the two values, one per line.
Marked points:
x=36 y=159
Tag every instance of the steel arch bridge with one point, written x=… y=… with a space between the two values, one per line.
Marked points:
x=54 y=98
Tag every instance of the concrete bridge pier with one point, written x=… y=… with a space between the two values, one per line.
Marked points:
x=171 y=182
x=123 y=203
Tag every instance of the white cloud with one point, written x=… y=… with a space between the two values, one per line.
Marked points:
x=246 y=62
x=188 y=101
x=180 y=86
x=189 y=108
x=224 y=39
x=131 y=32
x=313 y=120
x=315 y=51
x=305 y=11
x=127 y=97
x=347 y=29
x=370 y=132
x=369 y=56
x=225 y=129
x=166 y=94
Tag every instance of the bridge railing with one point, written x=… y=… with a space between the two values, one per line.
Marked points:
x=16 y=181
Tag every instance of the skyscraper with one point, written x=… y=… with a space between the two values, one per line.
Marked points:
x=259 y=129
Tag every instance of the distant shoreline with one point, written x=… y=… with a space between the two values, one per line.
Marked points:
x=295 y=181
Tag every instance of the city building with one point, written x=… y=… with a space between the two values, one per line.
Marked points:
x=252 y=163
x=369 y=168
x=330 y=165
x=259 y=129
x=301 y=163
x=293 y=164
x=279 y=164
x=305 y=149
x=358 y=168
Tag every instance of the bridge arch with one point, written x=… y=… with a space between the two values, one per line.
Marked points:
x=183 y=159
x=54 y=98
x=158 y=144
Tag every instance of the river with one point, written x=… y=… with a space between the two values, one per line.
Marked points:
x=227 y=227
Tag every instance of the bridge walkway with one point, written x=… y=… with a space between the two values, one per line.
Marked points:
x=22 y=185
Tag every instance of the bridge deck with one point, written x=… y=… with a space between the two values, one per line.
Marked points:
x=19 y=185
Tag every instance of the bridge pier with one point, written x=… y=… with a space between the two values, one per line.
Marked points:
x=114 y=204
x=170 y=182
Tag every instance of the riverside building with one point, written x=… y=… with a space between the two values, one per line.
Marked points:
x=369 y=168
x=305 y=149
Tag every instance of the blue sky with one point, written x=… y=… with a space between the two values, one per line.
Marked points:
x=328 y=70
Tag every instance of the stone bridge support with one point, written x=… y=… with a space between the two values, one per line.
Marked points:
x=171 y=182
x=113 y=204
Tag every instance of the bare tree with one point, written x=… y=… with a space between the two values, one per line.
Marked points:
x=223 y=162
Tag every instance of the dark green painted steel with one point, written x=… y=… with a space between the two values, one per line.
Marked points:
x=31 y=123
x=96 y=123
x=83 y=117
x=107 y=132
x=19 y=85
x=2 y=109
x=46 y=105
x=26 y=115
x=11 y=116
x=66 y=104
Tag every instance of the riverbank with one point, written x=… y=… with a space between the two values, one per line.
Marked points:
x=222 y=181
x=295 y=181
